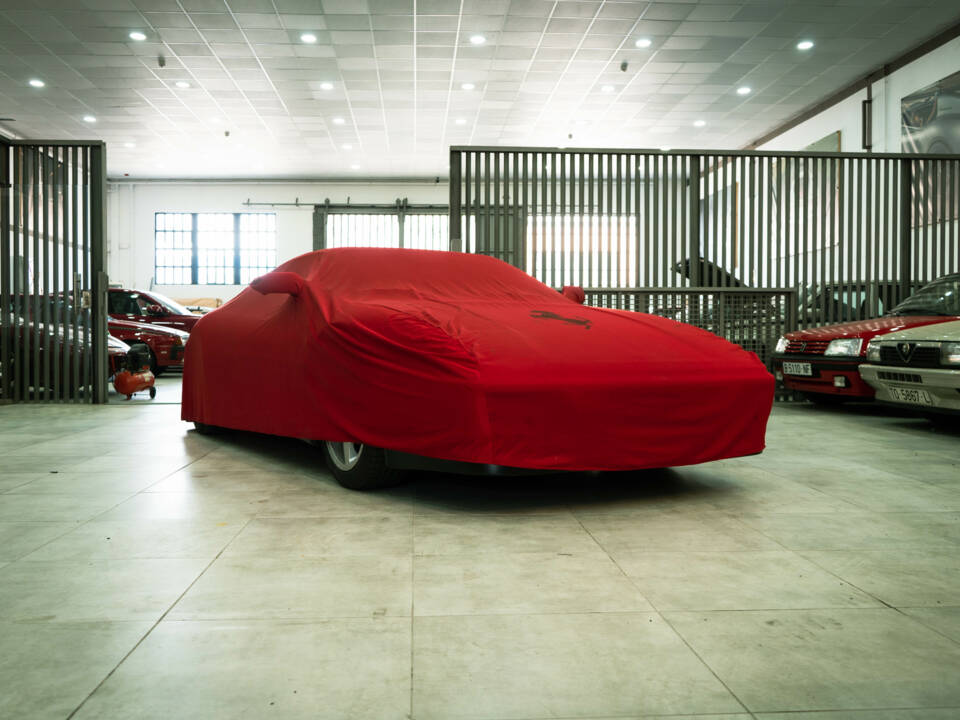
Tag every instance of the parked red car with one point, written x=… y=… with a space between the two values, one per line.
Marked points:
x=425 y=359
x=823 y=363
x=149 y=307
x=166 y=344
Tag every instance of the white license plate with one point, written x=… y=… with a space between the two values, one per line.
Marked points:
x=794 y=368
x=909 y=395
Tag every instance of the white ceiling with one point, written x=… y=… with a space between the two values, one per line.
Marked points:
x=397 y=67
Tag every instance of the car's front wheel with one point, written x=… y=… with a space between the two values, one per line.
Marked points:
x=360 y=467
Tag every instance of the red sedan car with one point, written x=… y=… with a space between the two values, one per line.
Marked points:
x=418 y=359
x=823 y=362
x=166 y=345
x=151 y=307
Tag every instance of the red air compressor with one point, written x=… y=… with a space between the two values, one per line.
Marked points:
x=135 y=376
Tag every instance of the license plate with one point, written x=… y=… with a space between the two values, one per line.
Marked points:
x=909 y=395
x=794 y=368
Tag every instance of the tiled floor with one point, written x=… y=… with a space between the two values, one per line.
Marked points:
x=148 y=572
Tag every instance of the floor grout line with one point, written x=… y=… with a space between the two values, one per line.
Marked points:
x=154 y=626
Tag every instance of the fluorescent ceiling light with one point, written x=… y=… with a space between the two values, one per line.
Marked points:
x=477 y=39
x=182 y=84
x=326 y=86
x=37 y=83
x=744 y=90
x=89 y=119
x=804 y=44
x=467 y=86
x=338 y=121
x=138 y=36
x=643 y=43
x=308 y=38
x=699 y=123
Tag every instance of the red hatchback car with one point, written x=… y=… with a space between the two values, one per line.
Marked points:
x=150 y=307
x=166 y=344
x=823 y=363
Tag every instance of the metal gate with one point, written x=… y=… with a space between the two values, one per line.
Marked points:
x=399 y=225
x=850 y=234
x=53 y=332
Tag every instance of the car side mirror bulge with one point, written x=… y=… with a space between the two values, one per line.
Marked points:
x=575 y=293
x=288 y=283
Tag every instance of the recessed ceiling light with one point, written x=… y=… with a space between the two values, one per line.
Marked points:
x=129 y=145
x=138 y=36
x=664 y=149
x=309 y=38
x=37 y=83
x=744 y=90
x=326 y=86
x=89 y=119
x=699 y=123
x=182 y=84
x=347 y=146
x=461 y=121
x=215 y=120
x=467 y=86
x=477 y=39
x=354 y=167
x=643 y=43
x=338 y=121
x=607 y=88
x=804 y=44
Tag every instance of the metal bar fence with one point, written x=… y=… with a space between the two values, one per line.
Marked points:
x=53 y=331
x=850 y=234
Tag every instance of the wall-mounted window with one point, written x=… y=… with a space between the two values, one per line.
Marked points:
x=213 y=248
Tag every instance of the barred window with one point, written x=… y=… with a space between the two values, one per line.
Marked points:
x=213 y=248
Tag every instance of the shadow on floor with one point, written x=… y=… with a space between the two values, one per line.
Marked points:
x=493 y=494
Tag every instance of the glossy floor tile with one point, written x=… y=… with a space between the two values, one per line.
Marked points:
x=182 y=576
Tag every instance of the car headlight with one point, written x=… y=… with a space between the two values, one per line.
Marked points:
x=950 y=353
x=847 y=346
x=781 y=345
x=873 y=351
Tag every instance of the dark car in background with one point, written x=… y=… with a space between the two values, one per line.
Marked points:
x=823 y=363
x=149 y=307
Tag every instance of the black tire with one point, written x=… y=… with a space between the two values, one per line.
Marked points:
x=204 y=429
x=368 y=472
x=153 y=393
x=825 y=399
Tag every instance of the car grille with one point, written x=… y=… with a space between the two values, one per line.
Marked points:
x=925 y=357
x=899 y=377
x=807 y=347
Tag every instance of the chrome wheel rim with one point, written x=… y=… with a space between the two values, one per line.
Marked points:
x=345 y=455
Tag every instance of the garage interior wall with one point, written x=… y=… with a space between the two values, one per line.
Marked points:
x=132 y=205
x=845 y=116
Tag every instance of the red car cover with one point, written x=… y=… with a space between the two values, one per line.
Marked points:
x=463 y=357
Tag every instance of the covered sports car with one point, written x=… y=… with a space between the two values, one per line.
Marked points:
x=402 y=358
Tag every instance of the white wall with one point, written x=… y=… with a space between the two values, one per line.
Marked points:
x=131 y=207
x=845 y=116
